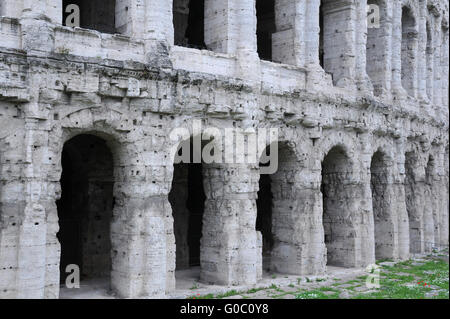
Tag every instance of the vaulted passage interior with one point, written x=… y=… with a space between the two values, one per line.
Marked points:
x=264 y=205
x=97 y=15
x=187 y=198
x=265 y=13
x=339 y=235
x=85 y=207
x=189 y=23
x=384 y=225
x=276 y=213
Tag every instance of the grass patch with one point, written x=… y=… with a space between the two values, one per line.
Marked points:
x=228 y=294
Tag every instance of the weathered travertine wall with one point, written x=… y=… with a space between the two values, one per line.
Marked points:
x=371 y=124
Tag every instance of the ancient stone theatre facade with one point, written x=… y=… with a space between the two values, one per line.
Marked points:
x=87 y=172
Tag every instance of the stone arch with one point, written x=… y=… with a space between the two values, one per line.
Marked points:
x=187 y=198
x=277 y=210
x=339 y=229
x=137 y=209
x=85 y=209
x=384 y=222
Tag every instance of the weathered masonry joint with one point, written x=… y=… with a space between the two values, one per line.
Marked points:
x=87 y=172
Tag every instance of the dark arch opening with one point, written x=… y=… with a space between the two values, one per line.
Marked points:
x=97 y=15
x=187 y=198
x=264 y=205
x=276 y=203
x=85 y=208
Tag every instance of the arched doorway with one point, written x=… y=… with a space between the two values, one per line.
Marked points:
x=277 y=214
x=337 y=223
x=85 y=210
x=187 y=198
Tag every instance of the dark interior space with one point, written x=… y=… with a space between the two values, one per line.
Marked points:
x=85 y=207
x=196 y=206
x=189 y=23
x=187 y=198
x=94 y=14
x=264 y=204
x=265 y=13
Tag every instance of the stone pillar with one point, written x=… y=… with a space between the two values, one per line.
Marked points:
x=444 y=190
x=219 y=28
x=397 y=48
x=229 y=244
x=11 y=8
x=37 y=32
x=362 y=79
x=248 y=63
x=139 y=238
x=415 y=201
x=290 y=23
x=379 y=52
x=421 y=54
x=297 y=228
x=158 y=31
x=340 y=48
x=399 y=203
x=310 y=43
x=131 y=18
x=32 y=232
x=361 y=208
x=445 y=68
x=437 y=44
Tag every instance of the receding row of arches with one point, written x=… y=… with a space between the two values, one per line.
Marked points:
x=189 y=31
x=87 y=201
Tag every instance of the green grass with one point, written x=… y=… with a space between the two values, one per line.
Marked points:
x=402 y=280
x=228 y=294
x=318 y=294
x=407 y=281
x=255 y=290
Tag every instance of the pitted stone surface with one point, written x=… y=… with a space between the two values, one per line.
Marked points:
x=363 y=133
